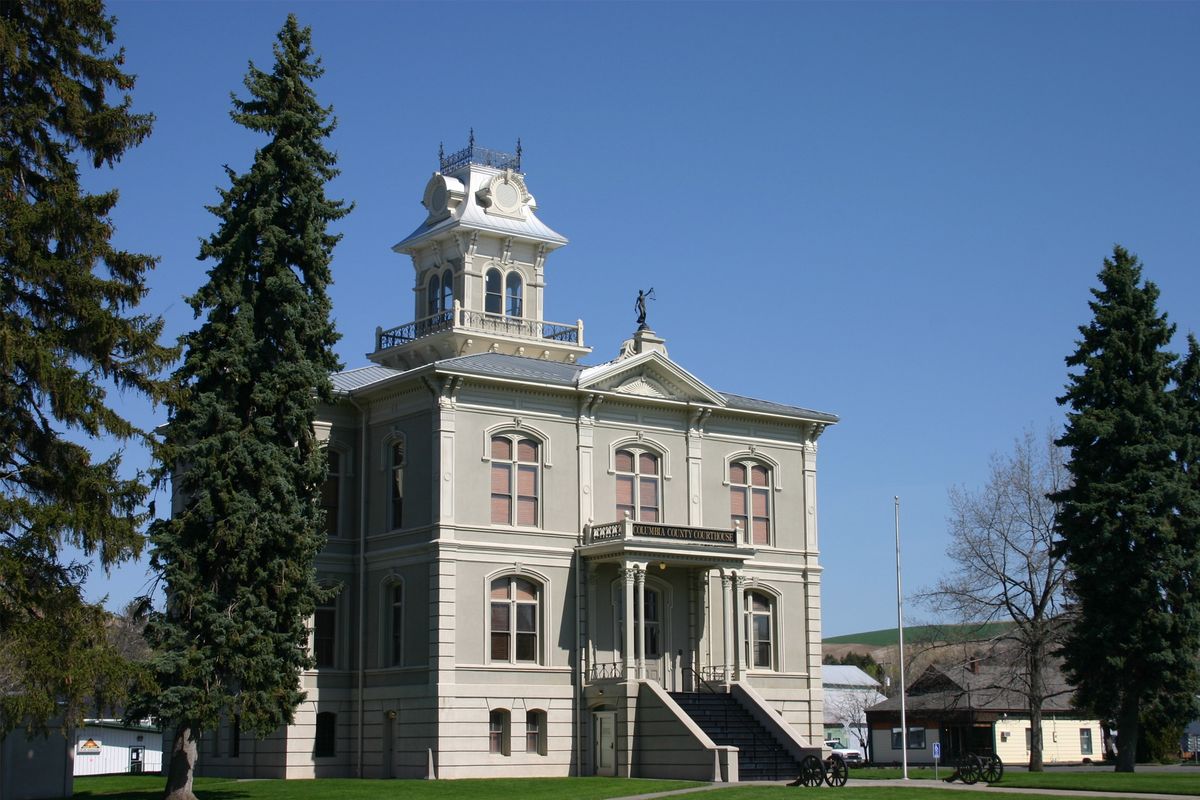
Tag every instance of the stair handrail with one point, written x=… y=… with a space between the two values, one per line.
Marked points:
x=697 y=680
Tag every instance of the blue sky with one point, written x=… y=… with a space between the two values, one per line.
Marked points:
x=893 y=212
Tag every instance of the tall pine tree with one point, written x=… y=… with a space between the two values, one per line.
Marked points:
x=238 y=556
x=1131 y=650
x=68 y=334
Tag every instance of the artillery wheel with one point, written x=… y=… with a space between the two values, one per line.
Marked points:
x=968 y=770
x=993 y=769
x=837 y=772
x=812 y=771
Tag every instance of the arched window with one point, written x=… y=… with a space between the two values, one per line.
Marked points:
x=512 y=294
x=535 y=732
x=325 y=735
x=433 y=296
x=498 y=732
x=493 y=292
x=760 y=631
x=331 y=492
x=324 y=634
x=396 y=475
x=750 y=500
x=516 y=480
x=447 y=302
x=514 y=620
x=396 y=625
x=639 y=488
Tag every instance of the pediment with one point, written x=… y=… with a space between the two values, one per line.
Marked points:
x=650 y=375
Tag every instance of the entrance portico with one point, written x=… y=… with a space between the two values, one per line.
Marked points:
x=645 y=566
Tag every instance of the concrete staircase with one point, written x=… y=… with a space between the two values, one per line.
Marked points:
x=760 y=756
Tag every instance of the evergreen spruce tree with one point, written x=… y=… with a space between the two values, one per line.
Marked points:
x=237 y=558
x=67 y=335
x=1132 y=645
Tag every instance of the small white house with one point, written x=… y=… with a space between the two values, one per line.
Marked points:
x=110 y=747
x=849 y=692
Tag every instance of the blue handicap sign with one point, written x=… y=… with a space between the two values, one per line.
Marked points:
x=937 y=750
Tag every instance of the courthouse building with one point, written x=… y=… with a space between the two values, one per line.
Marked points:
x=545 y=556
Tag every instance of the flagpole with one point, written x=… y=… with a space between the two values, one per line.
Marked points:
x=900 y=630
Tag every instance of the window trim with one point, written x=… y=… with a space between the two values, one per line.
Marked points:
x=748 y=488
x=433 y=294
x=1085 y=735
x=502 y=746
x=638 y=476
x=518 y=428
x=775 y=602
x=540 y=741
x=897 y=742
x=387 y=605
x=488 y=294
x=645 y=444
x=511 y=277
x=543 y=620
x=753 y=455
x=387 y=465
x=344 y=471
x=514 y=438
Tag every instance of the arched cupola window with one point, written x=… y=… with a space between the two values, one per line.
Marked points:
x=447 y=302
x=433 y=295
x=494 y=292
x=513 y=294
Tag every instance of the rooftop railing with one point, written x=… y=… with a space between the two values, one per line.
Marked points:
x=473 y=154
x=458 y=318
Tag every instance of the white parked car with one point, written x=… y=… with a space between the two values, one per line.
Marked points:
x=852 y=756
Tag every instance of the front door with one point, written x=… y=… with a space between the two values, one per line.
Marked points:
x=604 y=742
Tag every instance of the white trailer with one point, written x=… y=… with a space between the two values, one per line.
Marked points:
x=110 y=747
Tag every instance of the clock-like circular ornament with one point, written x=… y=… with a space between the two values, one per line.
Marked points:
x=506 y=195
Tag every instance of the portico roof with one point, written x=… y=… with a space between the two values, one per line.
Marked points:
x=674 y=545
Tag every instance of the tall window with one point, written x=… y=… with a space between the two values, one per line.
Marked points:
x=325 y=736
x=235 y=736
x=498 y=732
x=759 y=627
x=396 y=510
x=638 y=488
x=535 y=732
x=514 y=620
x=750 y=500
x=397 y=625
x=1085 y=741
x=515 y=481
x=325 y=635
x=493 y=292
x=331 y=492
x=433 y=296
x=447 y=290
x=512 y=294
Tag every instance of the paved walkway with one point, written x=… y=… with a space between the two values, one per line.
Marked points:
x=924 y=784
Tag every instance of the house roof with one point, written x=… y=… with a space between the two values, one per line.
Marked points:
x=555 y=373
x=985 y=688
x=846 y=675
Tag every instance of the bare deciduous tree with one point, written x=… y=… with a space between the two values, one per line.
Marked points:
x=1005 y=567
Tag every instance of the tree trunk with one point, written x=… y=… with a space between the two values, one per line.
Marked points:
x=1127 y=734
x=183 y=765
x=1036 y=692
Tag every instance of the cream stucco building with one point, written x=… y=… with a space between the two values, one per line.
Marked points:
x=544 y=564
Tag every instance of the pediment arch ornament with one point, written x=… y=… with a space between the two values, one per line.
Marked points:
x=505 y=195
x=643 y=386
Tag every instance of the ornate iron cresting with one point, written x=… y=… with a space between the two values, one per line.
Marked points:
x=394 y=337
x=473 y=154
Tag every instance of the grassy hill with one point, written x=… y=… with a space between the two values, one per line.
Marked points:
x=923 y=633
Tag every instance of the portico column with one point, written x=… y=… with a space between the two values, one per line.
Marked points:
x=590 y=613
x=640 y=577
x=739 y=627
x=726 y=633
x=627 y=650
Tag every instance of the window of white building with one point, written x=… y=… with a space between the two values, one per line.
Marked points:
x=516 y=481
x=515 y=612
x=639 y=485
x=750 y=500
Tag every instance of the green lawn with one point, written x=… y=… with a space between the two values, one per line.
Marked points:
x=149 y=787
x=1184 y=782
x=892 y=773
